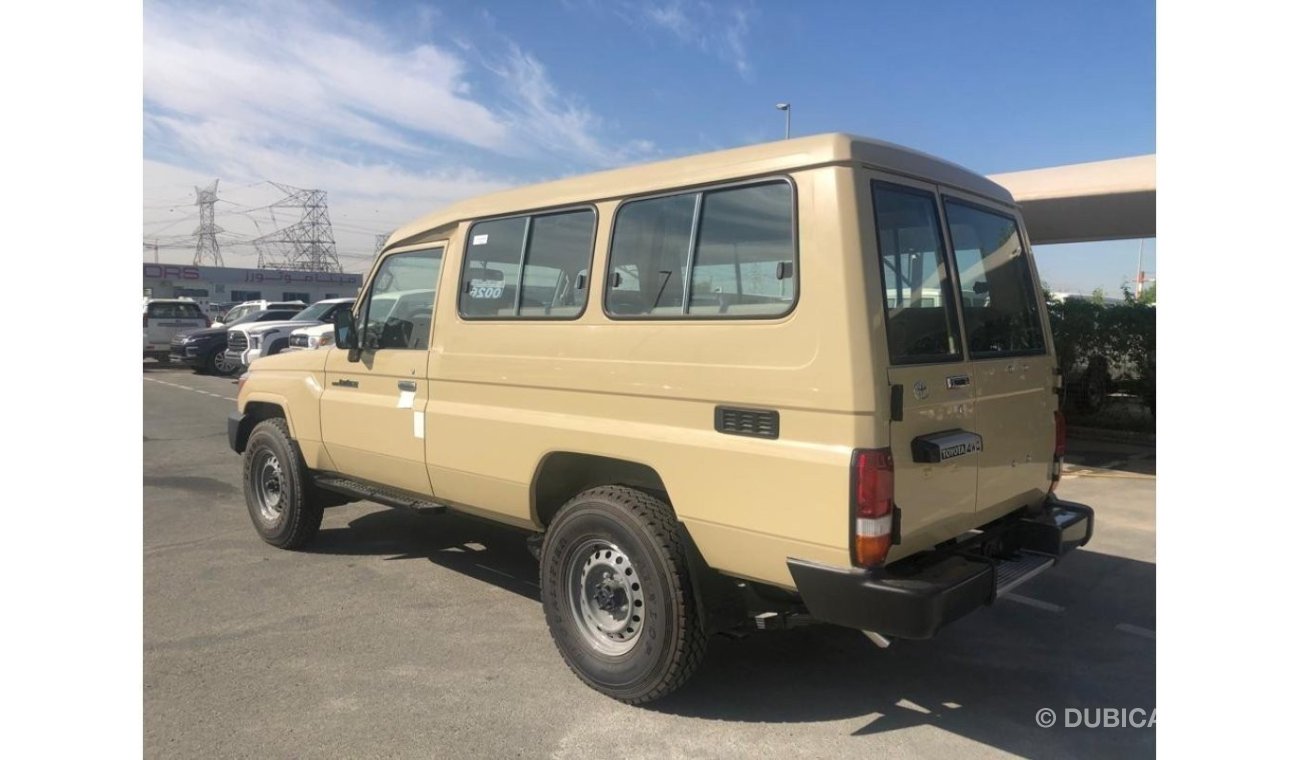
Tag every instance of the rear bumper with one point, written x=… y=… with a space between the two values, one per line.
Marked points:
x=914 y=598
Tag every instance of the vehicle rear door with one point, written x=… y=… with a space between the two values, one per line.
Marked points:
x=1003 y=318
x=166 y=319
x=932 y=429
x=372 y=410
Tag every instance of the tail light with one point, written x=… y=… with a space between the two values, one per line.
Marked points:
x=146 y=320
x=1058 y=452
x=207 y=321
x=873 y=506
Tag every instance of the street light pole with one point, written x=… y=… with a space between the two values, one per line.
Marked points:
x=785 y=107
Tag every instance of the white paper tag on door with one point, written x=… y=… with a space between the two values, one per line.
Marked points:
x=406 y=399
x=419 y=425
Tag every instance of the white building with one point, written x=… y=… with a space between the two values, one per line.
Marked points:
x=209 y=285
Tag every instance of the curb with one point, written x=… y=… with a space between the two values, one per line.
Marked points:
x=1105 y=434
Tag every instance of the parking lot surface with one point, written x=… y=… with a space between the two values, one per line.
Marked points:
x=401 y=635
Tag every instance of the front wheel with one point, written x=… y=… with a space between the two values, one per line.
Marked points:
x=617 y=594
x=217 y=364
x=285 y=509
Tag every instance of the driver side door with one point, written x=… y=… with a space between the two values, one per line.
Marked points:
x=372 y=410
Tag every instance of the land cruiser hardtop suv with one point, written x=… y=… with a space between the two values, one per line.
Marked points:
x=804 y=381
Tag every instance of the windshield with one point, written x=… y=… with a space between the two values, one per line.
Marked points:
x=250 y=316
x=316 y=312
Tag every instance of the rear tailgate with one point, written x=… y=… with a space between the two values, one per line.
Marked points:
x=1003 y=316
x=166 y=319
x=933 y=393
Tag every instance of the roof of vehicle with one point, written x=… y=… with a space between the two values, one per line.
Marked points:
x=735 y=163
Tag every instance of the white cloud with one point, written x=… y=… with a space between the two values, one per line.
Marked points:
x=313 y=96
x=714 y=28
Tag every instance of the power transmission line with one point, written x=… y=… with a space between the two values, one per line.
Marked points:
x=207 y=246
x=307 y=244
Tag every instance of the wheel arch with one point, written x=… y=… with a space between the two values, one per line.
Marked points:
x=561 y=475
x=257 y=410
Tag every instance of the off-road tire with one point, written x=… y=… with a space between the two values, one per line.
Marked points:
x=672 y=642
x=300 y=507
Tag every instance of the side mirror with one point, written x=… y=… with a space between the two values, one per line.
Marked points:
x=345 y=333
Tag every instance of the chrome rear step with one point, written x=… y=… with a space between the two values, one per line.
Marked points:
x=1021 y=568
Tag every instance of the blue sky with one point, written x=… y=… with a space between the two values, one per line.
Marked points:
x=397 y=108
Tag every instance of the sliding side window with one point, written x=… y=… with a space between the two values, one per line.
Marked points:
x=529 y=267
x=715 y=254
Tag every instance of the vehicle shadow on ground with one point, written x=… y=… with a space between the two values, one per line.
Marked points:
x=480 y=549
x=153 y=366
x=983 y=678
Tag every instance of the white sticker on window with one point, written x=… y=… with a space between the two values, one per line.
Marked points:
x=419 y=425
x=480 y=240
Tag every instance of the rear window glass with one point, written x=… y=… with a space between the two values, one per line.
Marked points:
x=999 y=304
x=919 y=319
x=175 y=311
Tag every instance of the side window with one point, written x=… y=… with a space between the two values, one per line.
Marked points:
x=919 y=319
x=997 y=290
x=744 y=260
x=491 y=275
x=648 y=256
x=737 y=242
x=398 y=310
x=532 y=267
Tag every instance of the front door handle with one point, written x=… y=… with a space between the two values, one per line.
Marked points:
x=345 y=383
x=406 y=385
x=958 y=381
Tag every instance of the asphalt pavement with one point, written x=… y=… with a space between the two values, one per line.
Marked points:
x=402 y=635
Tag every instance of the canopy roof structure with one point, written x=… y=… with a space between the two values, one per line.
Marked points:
x=1101 y=200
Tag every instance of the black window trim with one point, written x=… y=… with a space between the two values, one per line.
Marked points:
x=361 y=307
x=700 y=191
x=1033 y=281
x=528 y=217
x=945 y=279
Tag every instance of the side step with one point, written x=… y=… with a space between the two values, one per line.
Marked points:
x=1021 y=568
x=389 y=497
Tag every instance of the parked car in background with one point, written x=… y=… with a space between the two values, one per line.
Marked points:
x=218 y=310
x=245 y=343
x=165 y=318
x=311 y=338
x=205 y=350
x=248 y=307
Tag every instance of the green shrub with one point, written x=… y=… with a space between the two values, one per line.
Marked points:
x=1122 y=334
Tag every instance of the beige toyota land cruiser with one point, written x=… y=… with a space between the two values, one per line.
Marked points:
x=810 y=380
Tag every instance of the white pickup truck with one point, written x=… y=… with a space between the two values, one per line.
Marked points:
x=245 y=343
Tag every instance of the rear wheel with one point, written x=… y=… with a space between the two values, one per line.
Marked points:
x=617 y=594
x=285 y=508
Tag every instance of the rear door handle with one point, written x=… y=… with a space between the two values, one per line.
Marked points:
x=406 y=385
x=958 y=381
x=345 y=383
